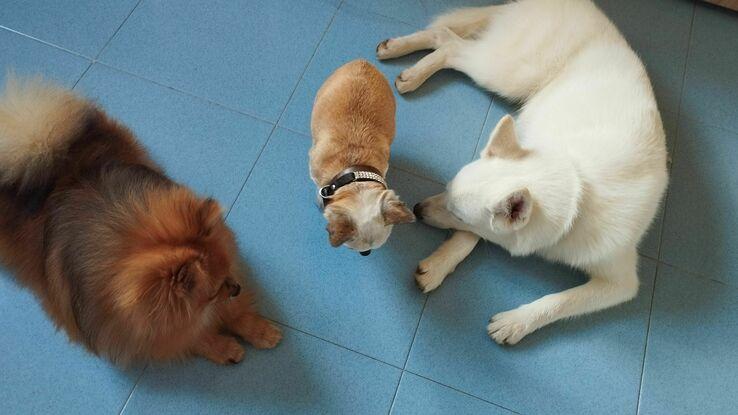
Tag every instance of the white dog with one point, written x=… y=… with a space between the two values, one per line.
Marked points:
x=576 y=179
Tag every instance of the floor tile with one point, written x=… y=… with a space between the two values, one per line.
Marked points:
x=407 y=11
x=699 y=221
x=691 y=358
x=711 y=84
x=303 y=375
x=437 y=125
x=210 y=148
x=658 y=30
x=27 y=57
x=424 y=397
x=588 y=365
x=81 y=26
x=42 y=372
x=369 y=304
x=247 y=56
x=434 y=8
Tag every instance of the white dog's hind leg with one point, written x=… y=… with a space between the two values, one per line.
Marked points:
x=410 y=79
x=462 y=22
x=611 y=283
x=404 y=45
x=433 y=270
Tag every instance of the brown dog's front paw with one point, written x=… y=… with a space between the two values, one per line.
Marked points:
x=258 y=331
x=224 y=350
x=265 y=336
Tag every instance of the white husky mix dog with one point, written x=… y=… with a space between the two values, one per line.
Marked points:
x=577 y=178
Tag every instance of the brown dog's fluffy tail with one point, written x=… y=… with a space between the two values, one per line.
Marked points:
x=38 y=123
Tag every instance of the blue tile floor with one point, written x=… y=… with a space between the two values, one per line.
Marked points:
x=221 y=93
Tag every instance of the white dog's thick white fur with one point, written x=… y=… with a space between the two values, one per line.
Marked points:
x=576 y=179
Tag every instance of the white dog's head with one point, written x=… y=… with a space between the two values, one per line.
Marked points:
x=361 y=216
x=510 y=195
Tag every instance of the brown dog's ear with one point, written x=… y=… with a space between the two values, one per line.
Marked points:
x=183 y=279
x=210 y=215
x=340 y=228
x=394 y=211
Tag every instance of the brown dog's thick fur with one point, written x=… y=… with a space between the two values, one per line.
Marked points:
x=353 y=123
x=129 y=263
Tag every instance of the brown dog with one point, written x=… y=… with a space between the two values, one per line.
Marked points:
x=353 y=125
x=131 y=264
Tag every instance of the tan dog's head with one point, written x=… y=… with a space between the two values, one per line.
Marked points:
x=361 y=216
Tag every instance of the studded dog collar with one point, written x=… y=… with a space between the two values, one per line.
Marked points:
x=347 y=176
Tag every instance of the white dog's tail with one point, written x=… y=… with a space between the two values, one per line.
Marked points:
x=465 y=22
x=38 y=122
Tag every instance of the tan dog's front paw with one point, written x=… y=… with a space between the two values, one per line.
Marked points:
x=431 y=272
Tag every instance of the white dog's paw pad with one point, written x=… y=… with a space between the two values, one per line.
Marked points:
x=509 y=327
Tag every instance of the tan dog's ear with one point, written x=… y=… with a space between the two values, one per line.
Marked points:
x=503 y=142
x=340 y=228
x=394 y=211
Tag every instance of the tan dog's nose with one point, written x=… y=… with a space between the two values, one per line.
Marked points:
x=418 y=211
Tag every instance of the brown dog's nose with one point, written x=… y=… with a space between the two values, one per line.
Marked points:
x=418 y=211
x=235 y=290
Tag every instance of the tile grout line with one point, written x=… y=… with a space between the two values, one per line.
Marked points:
x=678 y=130
x=133 y=389
x=461 y=391
x=187 y=93
x=648 y=332
x=115 y=33
x=307 y=333
x=89 y=66
x=410 y=349
x=397 y=389
x=77 y=54
x=481 y=130
x=284 y=109
x=659 y=263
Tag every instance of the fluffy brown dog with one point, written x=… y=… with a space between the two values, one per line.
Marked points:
x=131 y=264
x=353 y=125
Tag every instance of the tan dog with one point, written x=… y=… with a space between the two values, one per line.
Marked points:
x=353 y=125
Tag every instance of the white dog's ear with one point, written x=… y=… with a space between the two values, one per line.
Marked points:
x=512 y=212
x=340 y=227
x=503 y=142
x=394 y=211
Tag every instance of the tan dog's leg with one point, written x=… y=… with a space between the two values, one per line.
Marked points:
x=433 y=270
x=219 y=348
x=240 y=318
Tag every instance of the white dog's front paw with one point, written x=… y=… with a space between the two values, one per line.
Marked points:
x=511 y=326
x=384 y=50
x=431 y=272
x=407 y=81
